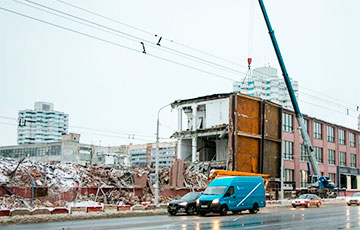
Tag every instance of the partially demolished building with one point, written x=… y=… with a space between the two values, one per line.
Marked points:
x=242 y=131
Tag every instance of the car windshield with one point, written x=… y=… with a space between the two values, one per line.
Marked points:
x=214 y=190
x=190 y=196
x=304 y=197
x=356 y=195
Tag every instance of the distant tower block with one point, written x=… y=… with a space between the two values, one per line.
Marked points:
x=42 y=124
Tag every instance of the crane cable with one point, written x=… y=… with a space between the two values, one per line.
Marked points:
x=250 y=42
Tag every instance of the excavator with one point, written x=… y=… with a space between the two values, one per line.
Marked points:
x=319 y=185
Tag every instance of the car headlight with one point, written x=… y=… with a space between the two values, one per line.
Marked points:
x=216 y=201
x=183 y=203
x=197 y=201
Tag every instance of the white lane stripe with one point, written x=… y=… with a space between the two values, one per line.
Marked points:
x=248 y=195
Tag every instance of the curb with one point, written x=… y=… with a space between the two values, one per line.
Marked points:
x=6 y=220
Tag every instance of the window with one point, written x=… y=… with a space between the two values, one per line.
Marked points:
x=342 y=158
x=317 y=130
x=289 y=175
x=288 y=150
x=287 y=122
x=303 y=156
x=332 y=176
x=331 y=157
x=341 y=134
x=353 y=160
x=352 y=140
x=306 y=125
x=230 y=191
x=330 y=134
x=318 y=154
x=303 y=178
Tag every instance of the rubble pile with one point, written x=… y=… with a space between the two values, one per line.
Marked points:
x=196 y=175
x=59 y=178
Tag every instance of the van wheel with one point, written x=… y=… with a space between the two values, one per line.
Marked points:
x=223 y=210
x=255 y=209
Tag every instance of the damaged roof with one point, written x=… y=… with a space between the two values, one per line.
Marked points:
x=199 y=99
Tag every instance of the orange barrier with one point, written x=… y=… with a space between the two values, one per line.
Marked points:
x=94 y=209
x=59 y=211
x=123 y=208
x=5 y=212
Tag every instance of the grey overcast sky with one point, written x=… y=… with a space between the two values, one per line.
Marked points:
x=105 y=87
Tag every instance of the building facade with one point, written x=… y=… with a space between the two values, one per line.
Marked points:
x=204 y=135
x=202 y=132
x=41 y=125
x=145 y=155
x=336 y=150
x=70 y=150
x=266 y=84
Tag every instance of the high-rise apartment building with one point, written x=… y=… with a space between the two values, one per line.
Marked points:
x=41 y=125
x=266 y=84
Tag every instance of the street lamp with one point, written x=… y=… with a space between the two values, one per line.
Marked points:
x=156 y=201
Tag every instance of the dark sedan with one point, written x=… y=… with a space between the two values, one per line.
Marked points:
x=186 y=204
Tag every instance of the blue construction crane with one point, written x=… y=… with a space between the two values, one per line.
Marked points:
x=321 y=182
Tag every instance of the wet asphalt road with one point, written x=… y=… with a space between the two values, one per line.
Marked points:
x=326 y=217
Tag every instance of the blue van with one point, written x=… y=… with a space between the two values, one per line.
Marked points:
x=232 y=194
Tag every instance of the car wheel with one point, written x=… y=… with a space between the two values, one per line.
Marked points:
x=202 y=213
x=223 y=210
x=255 y=209
x=294 y=206
x=190 y=210
x=173 y=213
x=318 y=204
x=348 y=204
x=308 y=205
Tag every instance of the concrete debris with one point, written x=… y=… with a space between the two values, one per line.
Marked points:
x=118 y=186
x=196 y=174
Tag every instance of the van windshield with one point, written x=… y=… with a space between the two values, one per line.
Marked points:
x=214 y=190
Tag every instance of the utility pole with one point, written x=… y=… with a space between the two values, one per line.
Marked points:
x=156 y=201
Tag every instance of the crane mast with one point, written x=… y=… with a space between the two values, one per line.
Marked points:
x=299 y=117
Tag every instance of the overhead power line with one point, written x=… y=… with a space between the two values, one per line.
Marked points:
x=95 y=129
x=104 y=40
x=137 y=39
x=149 y=33
x=117 y=44
x=186 y=46
x=177 y=52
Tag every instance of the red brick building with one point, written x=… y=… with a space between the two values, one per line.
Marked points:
x=336 y=149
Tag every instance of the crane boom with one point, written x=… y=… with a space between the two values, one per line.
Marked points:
x=299 y=117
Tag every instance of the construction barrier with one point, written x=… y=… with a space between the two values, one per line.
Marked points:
x=150 y=207
x=94 y=209
x=4 y=212
x=162 y=206
x=40 y=211
x=20 y=212
x=123 y=208
x=59 y=211
x=110 y=207
x=138 y=207
x=77 y=209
